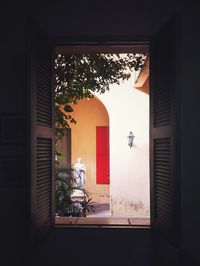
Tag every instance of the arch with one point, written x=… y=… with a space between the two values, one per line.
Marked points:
x=89 y=114
x=97 y=97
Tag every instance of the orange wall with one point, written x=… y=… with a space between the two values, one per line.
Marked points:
x=89 y=114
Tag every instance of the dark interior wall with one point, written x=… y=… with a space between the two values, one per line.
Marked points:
x=94 y=18
x=190 y=127
x=103 y=18
x=13 y=174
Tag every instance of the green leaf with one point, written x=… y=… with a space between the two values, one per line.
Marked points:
x=68 y=108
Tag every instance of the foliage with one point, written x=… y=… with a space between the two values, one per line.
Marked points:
x=65 y=185
x=65 y=182
x=87 y=206
x=78 y=75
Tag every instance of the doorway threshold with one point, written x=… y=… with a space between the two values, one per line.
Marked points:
x=102 y=221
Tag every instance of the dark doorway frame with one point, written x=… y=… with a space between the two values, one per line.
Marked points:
x=165 y=37
x=104 y=46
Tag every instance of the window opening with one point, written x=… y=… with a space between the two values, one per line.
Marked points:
x=100 y=97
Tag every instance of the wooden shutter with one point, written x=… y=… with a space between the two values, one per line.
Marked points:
x=41 y=135
x=102 y=155
x=163 y=134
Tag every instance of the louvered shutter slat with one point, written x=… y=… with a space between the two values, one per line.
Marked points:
x=44 y=79
x=163 y=164
x=42 y=136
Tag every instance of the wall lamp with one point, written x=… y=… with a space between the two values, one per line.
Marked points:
x=130 y=139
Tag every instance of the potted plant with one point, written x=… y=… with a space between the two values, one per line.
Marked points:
x=66 y=203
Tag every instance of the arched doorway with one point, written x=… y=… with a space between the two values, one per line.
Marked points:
x=90 y=141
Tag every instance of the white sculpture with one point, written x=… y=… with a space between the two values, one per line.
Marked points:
x=80 y=173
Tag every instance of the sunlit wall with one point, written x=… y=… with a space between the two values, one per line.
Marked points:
x=89 y=114
x=128 y=110
x=124 y=109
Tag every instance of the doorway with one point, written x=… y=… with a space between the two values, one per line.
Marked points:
x=135 y=211
x=164 y=127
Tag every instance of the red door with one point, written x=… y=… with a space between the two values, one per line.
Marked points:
x=102 y=155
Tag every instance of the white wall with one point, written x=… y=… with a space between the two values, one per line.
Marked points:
x=128 y=110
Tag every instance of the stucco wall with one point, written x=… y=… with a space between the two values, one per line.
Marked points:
x=128 y=111
x=89 y=114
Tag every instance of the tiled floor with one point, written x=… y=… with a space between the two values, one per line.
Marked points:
x=109 y=220
x=103 y=217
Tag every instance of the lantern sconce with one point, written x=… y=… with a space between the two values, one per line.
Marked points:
x=130 y=139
